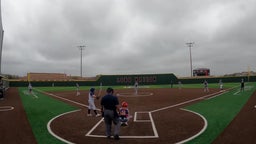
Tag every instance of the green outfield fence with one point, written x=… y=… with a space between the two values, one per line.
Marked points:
x=107 y=80
x=235 y=79
x=143 y=79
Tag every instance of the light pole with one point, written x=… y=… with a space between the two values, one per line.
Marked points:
x=190 y=44
x=1 y=38
x=81 y=48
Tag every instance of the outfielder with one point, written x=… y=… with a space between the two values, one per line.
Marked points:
x=221 y=84
x=242 y=85
x=92 y=106
x=30 y=88
x=180 y=84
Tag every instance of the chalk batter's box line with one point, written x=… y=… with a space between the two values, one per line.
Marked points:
x=137 y=120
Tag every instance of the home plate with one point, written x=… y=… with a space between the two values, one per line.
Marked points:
x=255 y=106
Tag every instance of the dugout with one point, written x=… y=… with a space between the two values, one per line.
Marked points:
x=4 y=85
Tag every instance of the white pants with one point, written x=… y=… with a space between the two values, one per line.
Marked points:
x=91 y=105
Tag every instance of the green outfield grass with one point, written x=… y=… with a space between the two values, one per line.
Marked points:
x=220 y=111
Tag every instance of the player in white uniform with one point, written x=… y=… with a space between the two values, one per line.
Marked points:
x=180 y=84
x=221 y=84
x=77 y=89
x=92 y=106
x=30 y=88
x=136 y=86
x=206 y=89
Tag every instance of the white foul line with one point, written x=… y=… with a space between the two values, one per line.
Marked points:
x=88 y=134
x=65 y=99
x=236 y=92
x=182 y=103
x=6 y=108
x=34 y=95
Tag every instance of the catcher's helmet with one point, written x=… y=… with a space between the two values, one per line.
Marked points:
x=124 y=104
x=92 y=90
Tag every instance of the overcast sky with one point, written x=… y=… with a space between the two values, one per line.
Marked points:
x=128 y=36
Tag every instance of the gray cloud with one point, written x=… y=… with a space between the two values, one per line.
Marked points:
x=126 y=37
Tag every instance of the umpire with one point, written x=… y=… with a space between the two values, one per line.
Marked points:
x=109 y=108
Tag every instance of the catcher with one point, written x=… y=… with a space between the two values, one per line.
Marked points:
x=92 y=106
x=124 y=114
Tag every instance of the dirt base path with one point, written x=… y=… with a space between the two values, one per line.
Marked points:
x=14 y=125
x=242 y=130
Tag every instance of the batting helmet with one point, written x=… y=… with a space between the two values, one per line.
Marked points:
x=92 y=90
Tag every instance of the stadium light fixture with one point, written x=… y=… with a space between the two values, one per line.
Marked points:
x=190 y=44
x=81 y=48
x=1 y=38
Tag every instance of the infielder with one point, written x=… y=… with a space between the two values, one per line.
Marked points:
x=77 y=89
x=136 y=86
x=206 y=89
x=242 y=85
